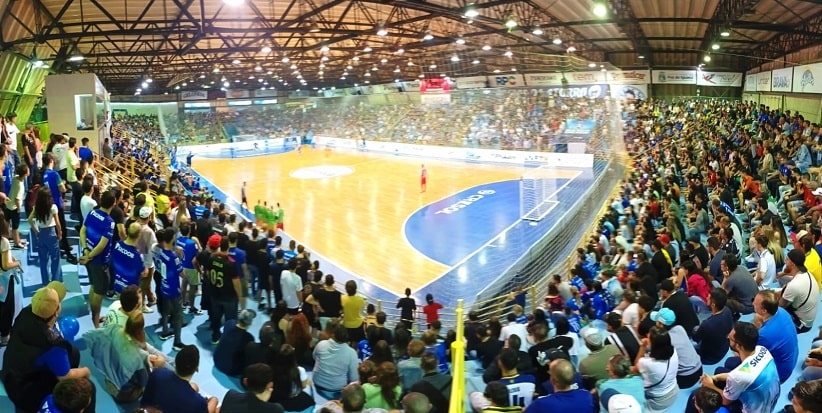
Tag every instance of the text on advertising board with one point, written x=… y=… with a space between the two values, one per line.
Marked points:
x=591 y=92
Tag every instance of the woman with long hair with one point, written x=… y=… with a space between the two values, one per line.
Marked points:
x=381 y=352
x=289 y=382
x=658 y=370
x=384 y=391
x=299 y=337
x=7 y=264
x=45 y=224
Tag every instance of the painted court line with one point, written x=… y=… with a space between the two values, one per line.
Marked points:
x=498 y=236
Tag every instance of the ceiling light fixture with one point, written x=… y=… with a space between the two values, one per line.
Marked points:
x=455 y=58
x=235 y=61
x=571 y=49
x=508 y=53
x=216 y=70
x=367 y=49
x=233 y=2
x=471 y=11
x=266 y=49
x=537 y=31
x=76 y=58
x=715 y=46
x=428 y=36
x=460 y=40
x=285 y=59
x=486 y=47
x=557 y=41
x=592 y=65
x=476 y=62
x=258 y=68
x=599 y=9
x=641 y=56
x=144 y=85
x=707 y=58
x=510 y=21
x=324 y=49
x=724 y=33
x=400 y=51
x=381 y=30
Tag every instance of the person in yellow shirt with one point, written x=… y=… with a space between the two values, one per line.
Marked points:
x=352 y=307
x=812 y=260
x=162 y=206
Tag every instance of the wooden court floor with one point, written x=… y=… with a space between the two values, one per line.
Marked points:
x=356 y=220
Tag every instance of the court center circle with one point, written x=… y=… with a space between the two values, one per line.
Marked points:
x=322 y=172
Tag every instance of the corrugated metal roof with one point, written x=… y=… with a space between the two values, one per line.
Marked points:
x=674 y=8
x=674 y=29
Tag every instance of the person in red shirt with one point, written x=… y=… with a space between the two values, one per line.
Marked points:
x=431 y=310
x=749 y=190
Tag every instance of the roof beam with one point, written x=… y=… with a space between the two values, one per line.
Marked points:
x=809 y=33
x=627 y=22
x=726 y=12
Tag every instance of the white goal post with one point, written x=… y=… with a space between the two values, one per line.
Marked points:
x=537 y=193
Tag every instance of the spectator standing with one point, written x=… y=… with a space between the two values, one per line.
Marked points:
x=225 y=282
x=95 y=239
x=292 y=288
x=352 y=309
x=168 y=265
x=9 y=267
x=48 y=229
x=408 y=310
x=14 y=204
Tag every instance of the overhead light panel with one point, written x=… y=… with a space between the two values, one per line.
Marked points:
x=599 y=9
x=537 y=31
x=641 y=56
x=486 y=47
x=707 y=58
x=715 y=46
x=367 y=49
x=471 y=11
x=476 y=62
x=258 y=68
x=76 y=58
x=149 y=79
x=428 y=36
x=571 y=49
x=455 y=58
x=725 y=33
x=592 y=65
x=144 y=85
x=235 y=61
x=325 y=49
x=460 y=40
x=266 y=49
x=557 y=41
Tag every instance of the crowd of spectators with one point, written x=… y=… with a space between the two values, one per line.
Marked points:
x=519 y=119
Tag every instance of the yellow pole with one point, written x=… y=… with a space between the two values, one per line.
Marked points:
x=458 y=364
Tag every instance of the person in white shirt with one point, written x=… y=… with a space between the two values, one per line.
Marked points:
x=87 y=203
x=59 y=151
x=292 y=287
x=14 y=203
x=514 y=328
x=13 y=131
x=766 y=271
x=127 y=306
x=800 y=297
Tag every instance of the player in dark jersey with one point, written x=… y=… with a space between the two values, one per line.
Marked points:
x=225 y=288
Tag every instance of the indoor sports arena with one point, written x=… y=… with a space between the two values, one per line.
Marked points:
x=346 y=206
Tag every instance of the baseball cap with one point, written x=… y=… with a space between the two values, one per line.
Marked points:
x=665 y=315
x=246 y=317
x=145 y=212
x=214 y=242
x=623 y=403
x=798 y=236
x=45 y=302
x=593 y=336
x=58 y=287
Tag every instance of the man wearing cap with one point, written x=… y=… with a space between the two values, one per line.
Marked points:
x=95 y=237
x=229 y=355
x=225 y=288
x=800 y=297
x=595 y=364
x=36 y=358
x=145 y=241
x=679 y=303
x=690 y=366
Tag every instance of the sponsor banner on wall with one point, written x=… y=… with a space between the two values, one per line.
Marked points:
x=442 y=98
x=194 y=95
x=807 y=78
x=781 y=80
x=629 y=91
x=507 y=81
x=730 y=79
x=268 y=93
x=435 y=85
x=236 y=94
x=629 y=77
x=581 y=91
x=472 y=82
x=763 y=82
x=378 y=89
x=412 y=86
x=673 y=77
x=543 y=79
x=585 y=78
x=750 y=83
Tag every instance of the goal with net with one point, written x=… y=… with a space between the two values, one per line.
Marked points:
x=537 y=193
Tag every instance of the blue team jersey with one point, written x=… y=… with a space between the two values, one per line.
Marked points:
x=85 y=154
x=8 y=174
x=271 y=249
x=199 y=210
x=127 y=264
x=53 y=180
x=49 y=406
x=189 y=248
x=288 y=255
x=99 y=225
x=169 y=266
x=238 y=256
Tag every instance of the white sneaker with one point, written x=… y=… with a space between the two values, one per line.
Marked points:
x=147 y=309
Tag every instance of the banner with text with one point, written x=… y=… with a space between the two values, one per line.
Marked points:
x=581 y=91
x=194 y=95
x=543 y=79
x=750 y=83
x=782 y=79
x=435 y=85
x=629 y=92
x=472 y=82
x=763 y=82
x=585 y=78
x=729 y=79
x=807 y=78
x=673 y=77
x=236 y=94
x=507 y=81
x=629 y=77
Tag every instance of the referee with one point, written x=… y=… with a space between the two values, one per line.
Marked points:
x=95 y=238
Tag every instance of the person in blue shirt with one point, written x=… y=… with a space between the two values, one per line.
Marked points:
x=95 y=237
x=565 y=398
x=173 y=391
x=170 y=268
x=241 y=262
x=85 y=153
x=51 y=178
x=69 y=396
x=188 y=247
x=126 y=260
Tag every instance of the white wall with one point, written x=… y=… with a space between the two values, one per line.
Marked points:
x=60 y=93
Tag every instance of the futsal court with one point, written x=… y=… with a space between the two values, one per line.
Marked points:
x=363 y=215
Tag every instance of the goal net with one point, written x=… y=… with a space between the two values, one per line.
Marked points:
x=537 y=193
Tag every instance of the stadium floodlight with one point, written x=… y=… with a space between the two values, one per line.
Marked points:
x=510 y=21
x=537 y=31
x=76 y=58
x=599 y=9
x=486 y=47
x=471 y=11
x=381 y=30
x=715 y=46
x=428 y=36
x=725 y=33
x=266 y=49
x=557 y=41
